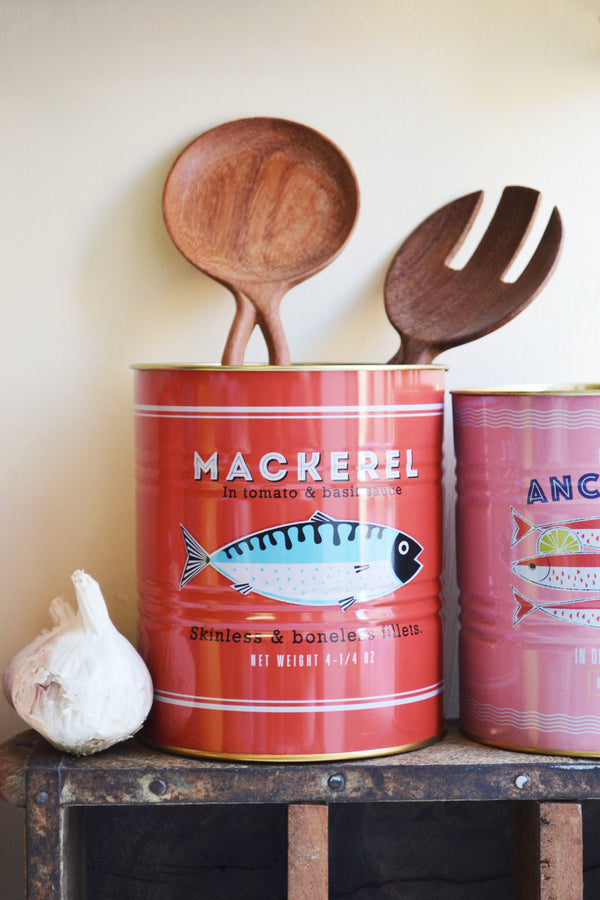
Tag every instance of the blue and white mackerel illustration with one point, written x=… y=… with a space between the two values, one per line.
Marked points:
x=320 y=561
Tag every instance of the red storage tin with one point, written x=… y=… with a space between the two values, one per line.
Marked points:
x=289 y=534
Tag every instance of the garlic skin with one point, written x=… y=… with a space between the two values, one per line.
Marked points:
x=81 y=685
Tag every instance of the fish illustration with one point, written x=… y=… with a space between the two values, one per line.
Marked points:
x=562 y=571
x=321 y=561
x=581 y=532
x=573 y=612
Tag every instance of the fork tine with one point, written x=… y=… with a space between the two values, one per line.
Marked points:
x=436 y=237
x=507 y=230
x=541 y=265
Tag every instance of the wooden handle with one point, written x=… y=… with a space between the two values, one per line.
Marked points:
x=240 y=331
x=255 y=307
x=413 y=352
x=274 y=335
x=398 y=357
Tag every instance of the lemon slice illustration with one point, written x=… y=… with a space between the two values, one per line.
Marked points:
x=558 y=539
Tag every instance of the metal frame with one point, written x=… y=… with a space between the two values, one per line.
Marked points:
x=54 y=788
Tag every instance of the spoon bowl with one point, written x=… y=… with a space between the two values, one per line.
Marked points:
x=260 y=205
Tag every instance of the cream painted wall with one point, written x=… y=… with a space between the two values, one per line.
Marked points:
x=429 y=100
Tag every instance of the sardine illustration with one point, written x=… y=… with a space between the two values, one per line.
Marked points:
x=321 y=561
x=562 y=571
x=573 y=612
x=577 y=533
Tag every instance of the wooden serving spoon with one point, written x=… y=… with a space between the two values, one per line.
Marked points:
x=434 y=307
x=260 y=205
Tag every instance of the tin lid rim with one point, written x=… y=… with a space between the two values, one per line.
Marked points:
x=531 y=390
x=295 y=367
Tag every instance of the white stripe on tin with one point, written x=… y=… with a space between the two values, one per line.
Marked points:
x=288 y=412
x=530 y=418
x=525 y=720
x=300 y=706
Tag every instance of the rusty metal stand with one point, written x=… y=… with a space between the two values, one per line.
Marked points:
x=55 y=790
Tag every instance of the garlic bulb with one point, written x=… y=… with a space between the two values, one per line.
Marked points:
x=81 y=685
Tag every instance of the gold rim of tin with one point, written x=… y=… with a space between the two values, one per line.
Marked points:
x=295 y=367
x=540 y=751
x=292 y=757
x=548 y=390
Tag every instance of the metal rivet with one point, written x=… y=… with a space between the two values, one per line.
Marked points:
x=336 y=782
x=521 y=781
x=41 y=799
x=158 y=787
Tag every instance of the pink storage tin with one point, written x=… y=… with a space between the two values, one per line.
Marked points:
x=528 y=555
